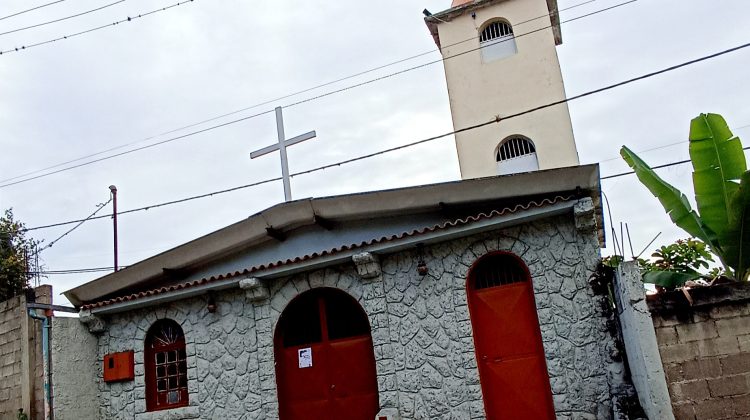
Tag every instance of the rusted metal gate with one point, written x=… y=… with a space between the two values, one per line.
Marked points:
x=325 y=365
x=510 y=356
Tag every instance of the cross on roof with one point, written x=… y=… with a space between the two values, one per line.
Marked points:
x=281 y=147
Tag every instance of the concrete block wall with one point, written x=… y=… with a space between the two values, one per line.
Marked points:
x=21 y=370
x=705 y=351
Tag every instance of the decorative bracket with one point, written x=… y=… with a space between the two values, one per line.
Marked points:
x=95 y=324
x=584 y=215
x=255 y=290
x=368 y=265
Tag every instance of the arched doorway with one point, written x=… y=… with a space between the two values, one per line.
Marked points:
x=508 y=341
x=325 y=364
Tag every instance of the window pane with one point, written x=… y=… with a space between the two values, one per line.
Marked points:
x=183 y=367
x=160 y=372
x=172 y=356
x=172 y=382
x=161 y=385
x=172 y=370
x=300 y=323
x=160 y=358
x=344 y=317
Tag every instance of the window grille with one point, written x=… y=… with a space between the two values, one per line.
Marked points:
x=497 y=270
x=495 y=30
x=166 y=370
x=514 y=147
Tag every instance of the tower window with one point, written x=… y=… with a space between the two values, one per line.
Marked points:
x=516 y=154
x=496 y=41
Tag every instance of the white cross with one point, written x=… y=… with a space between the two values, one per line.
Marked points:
x=281 y=147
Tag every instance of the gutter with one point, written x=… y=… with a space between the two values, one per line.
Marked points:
x=47 y=362
x=385 y=247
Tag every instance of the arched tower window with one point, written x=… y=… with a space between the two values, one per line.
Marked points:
x=516 y=154
x=496 y=41
x=166 y=366
x=498 y=269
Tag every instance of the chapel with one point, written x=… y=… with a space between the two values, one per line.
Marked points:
x=460 y=300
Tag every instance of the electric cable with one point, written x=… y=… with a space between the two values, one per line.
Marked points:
x=128 y=19
x=61 y=19
x=5 y=184
x=82 y=221
x=279 y=98
x=497 y=119
x=29 y=10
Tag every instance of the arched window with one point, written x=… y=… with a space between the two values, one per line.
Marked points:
x=516 y=154
x=496 y=41
x=497 y=270
x=166 y=366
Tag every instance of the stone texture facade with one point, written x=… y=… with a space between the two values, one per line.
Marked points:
x=421 y=332
x=705 y=349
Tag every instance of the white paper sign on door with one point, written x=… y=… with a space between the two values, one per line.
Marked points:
x=305 y=357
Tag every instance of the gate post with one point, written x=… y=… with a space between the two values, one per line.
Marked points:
x=641 y=347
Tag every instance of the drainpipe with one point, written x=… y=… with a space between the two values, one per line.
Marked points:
x=47 y=363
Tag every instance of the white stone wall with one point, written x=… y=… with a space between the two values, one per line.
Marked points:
x=421 y=331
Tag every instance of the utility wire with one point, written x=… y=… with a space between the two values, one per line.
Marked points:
x=680 y=162
x=49 y=245
x=495 y=120
x=61 y=19
x=270 y=101
x=128 y=19
x=6 y=184
x=33 y=8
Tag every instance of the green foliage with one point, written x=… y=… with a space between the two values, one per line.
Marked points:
x=722 y=192
x=14 y=251
x=684 y=256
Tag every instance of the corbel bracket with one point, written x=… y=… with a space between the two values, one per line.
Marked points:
x=368 y=265
x=95 y=324
x=584 y=215
x=255 y=290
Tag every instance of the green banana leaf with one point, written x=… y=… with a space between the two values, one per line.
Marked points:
x=718 y=163
x=736 y=241
x=668 y=279
x=675 y=203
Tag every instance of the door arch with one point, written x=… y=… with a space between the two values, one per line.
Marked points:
x=507 y=339
x=325 y=364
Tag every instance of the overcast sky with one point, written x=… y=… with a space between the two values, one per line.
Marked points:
x=136 y=80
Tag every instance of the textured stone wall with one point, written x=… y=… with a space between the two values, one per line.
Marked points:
x=421 y=331
x=705 y=350
x=74 y=373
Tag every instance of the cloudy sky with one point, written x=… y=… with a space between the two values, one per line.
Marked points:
x=131 y=83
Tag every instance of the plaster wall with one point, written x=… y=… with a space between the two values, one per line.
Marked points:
x=479 y=91
x=75 y=371
x=421 y=331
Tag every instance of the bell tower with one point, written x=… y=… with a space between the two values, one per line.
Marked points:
x=500 y=59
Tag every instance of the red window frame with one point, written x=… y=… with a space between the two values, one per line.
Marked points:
x=166 y=366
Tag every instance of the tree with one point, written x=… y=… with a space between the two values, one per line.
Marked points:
x=722 y=192
x=15 y=253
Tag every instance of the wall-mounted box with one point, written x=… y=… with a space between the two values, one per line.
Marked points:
x=119 y=366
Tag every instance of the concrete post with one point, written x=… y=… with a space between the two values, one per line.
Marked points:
x=640 y=343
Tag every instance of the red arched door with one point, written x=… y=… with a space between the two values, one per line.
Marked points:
x=508 y=342
x=325 y=364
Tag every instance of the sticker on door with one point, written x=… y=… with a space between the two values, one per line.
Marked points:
x=305 y=357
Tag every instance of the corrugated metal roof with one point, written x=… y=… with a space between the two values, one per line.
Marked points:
x=345 y=247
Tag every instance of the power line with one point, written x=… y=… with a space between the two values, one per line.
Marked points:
x=128 y=19
x=6 y=184
x=33 y=8
x=680 y=162
x=61 y=19
x=664 y=146
x=49 y=245
x=74 y=271
x=495 y=120
x=270 y=101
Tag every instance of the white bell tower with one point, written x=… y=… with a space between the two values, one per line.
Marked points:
x=500 y=59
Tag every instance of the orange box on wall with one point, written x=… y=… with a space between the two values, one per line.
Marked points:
x=119 y=366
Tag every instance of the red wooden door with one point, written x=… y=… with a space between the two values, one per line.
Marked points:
x=340 y=382
x=508 y=341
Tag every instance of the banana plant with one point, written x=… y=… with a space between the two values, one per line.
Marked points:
x=722 y=193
